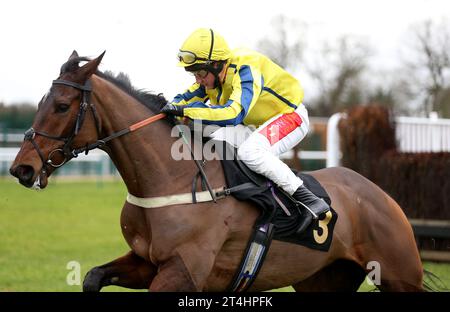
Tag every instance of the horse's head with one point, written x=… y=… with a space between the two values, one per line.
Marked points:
x=59 y=125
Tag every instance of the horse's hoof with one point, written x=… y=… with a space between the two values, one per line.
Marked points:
x=93 y=280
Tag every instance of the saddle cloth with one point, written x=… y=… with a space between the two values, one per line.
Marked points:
x=276 y=206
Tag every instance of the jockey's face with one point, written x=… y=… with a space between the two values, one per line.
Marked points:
x=206 y=81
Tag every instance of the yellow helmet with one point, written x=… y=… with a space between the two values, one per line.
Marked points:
x=203 y=46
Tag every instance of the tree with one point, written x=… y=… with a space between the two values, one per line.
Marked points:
x=427 y=66
x=19 y=116
x=338 y=69
x=285 y=42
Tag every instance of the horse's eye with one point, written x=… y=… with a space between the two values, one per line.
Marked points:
x=62 y=108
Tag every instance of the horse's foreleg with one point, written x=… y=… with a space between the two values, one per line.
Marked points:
x=173 y=275
x=129 y=271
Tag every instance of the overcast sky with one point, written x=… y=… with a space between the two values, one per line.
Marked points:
x=141 y=38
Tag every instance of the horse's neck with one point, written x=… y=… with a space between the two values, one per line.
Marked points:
x=143 y=158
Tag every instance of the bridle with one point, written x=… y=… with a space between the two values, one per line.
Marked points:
x=66 y=150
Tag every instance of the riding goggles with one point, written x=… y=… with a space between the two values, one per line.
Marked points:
x=189 y=57
x=202 y=73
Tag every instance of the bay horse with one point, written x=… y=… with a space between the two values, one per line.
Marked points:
x=198 y=247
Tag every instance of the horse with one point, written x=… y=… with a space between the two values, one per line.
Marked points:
x=198 y=247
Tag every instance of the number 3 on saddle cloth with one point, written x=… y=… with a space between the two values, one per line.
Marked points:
x=279 y=216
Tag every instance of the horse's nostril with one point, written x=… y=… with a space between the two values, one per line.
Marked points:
x=24 y=173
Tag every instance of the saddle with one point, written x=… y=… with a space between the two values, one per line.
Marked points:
x=280 y=213
x=279 y=217
x=277 y=207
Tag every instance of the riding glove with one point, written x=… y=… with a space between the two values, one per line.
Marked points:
x=172 y=109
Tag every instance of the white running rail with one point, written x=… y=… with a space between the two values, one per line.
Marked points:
x=414 y=135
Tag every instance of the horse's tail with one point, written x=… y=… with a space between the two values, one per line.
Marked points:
x=432 y=282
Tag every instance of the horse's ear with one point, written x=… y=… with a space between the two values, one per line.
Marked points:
x=90 y=67
x=73 y=55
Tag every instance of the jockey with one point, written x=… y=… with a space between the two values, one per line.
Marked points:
x=247 y=90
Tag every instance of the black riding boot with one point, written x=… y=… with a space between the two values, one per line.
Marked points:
x=316 y=206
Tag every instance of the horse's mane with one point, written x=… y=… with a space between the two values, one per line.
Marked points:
x=154 y=102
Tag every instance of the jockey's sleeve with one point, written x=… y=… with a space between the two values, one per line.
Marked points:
x=246 y=86
x=195 y=93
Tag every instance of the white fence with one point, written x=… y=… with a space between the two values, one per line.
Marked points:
x=11 y=137
x=96 y=162
x=423 y=134
x=413 y=135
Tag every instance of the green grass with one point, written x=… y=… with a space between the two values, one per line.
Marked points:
x=442 y=270
x=40 y=232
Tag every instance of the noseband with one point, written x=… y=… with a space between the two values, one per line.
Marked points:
x=66 y=150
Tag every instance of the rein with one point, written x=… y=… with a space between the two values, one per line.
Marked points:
x=66 y=150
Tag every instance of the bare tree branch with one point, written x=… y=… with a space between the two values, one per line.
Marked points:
x=285 y=43
x=337 y=70
x=430 y=66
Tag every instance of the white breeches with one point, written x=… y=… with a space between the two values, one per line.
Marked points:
x=260 y=149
